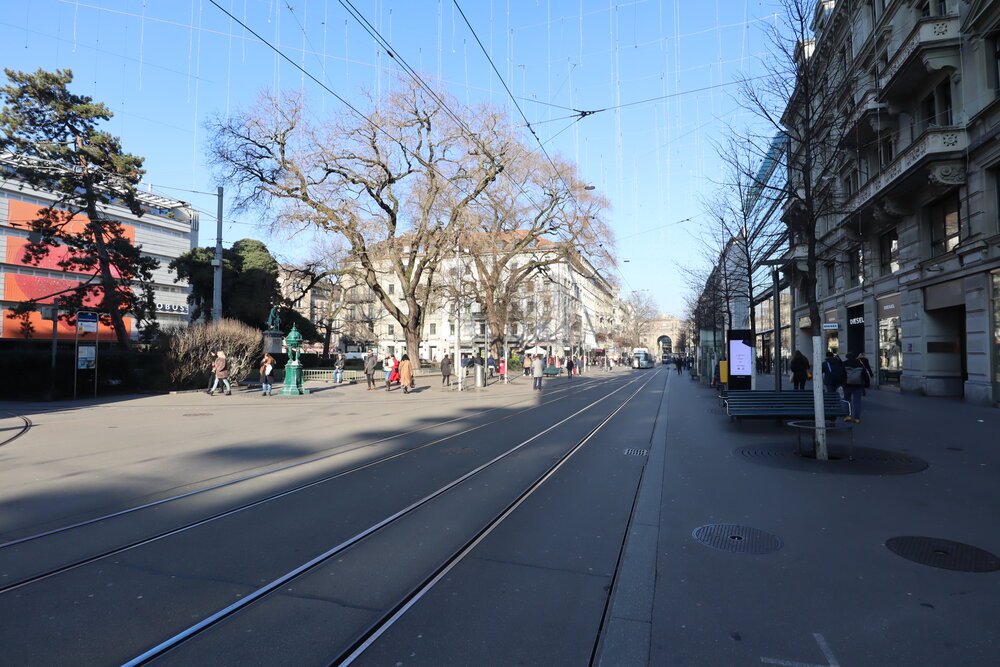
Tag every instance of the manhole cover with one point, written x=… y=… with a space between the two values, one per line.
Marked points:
x=738 y=539
x=636 y=452
x=867 y=460
x=945 y=554
x=197 y=414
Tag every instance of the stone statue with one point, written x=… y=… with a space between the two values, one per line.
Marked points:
x=273 y=321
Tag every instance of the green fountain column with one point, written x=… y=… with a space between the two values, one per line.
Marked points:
x=293 y=369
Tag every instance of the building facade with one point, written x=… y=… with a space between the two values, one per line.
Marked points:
x=167 y=229
x=567 y=308
x=909 y=270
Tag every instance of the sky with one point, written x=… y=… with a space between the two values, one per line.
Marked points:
x=658 y=73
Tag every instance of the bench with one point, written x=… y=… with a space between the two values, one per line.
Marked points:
x=769 y=404
x=551 y=370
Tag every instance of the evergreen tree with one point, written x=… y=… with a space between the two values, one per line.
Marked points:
x=53 y=142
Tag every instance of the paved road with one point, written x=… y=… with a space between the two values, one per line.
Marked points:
x=493 y=528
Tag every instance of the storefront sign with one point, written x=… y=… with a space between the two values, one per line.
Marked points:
x=830 y=326
x=856 y=320
x=172 y=308
x=805 y=323
x=830 y=316
x=889 y=306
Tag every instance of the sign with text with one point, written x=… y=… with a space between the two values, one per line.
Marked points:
x=741 y=361
x=86 y=357
x=86 y=321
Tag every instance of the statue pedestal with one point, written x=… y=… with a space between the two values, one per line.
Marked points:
x=293 y=380
x=273 y=341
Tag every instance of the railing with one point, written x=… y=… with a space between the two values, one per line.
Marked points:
x=943 y=140
x=927 y=31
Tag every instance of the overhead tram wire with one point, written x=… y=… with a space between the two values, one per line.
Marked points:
x=581 y=114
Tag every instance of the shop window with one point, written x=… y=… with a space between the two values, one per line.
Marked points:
x=945 y=224
x=888 y=252
x=856 y=266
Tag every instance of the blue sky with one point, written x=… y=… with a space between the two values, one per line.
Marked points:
x=164 y=66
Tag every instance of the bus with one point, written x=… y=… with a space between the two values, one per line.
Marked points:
x=641 y=358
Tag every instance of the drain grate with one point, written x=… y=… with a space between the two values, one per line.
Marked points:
x=636 y=452
x=737 y=539
x=944 y=554
x=867 y=461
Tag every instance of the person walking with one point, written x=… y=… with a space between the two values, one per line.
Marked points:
x=833 y=372
x=857 y=378
x=491 y=366
x=387 y=367
x=537 y=372
x=502 y=367
x=569 y=367
x=393 y=373
x=446 y=371
x=370 y=362
x=678 y=364
x=221 y=368
x=800 y=370
x=266 y=377
x=338 y=369
x=405 y=373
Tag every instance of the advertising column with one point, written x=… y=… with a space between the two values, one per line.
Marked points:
x=741 y=361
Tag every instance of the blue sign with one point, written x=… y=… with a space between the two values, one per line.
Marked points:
x=86 y=321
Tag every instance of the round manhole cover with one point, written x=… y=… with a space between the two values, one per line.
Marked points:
x=867 y=460
x=945 y=554
x=737 y=539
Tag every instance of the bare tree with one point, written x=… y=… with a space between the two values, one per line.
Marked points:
x=640 y=310
x=802 y=97
x=539 y=215
x=395 y=185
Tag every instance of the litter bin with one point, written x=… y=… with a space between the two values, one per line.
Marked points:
x=480 y=375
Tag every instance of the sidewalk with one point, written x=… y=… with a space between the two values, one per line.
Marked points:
x=793 y=568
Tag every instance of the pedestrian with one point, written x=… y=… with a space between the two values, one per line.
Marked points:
x=569 y=367
x=405 y=373
x=221 y=367
x=446 y=371
x=503 y=369
x=491 y=365
x=526 y=365
x=800 y=370
x=266 y=377
x=393 y=375
x=678 y=363
x=864 y=362
x=856 y=379
x=537 y=372
x=387 y=367
x=370 y=362
x=338 y=369
x=833 y=372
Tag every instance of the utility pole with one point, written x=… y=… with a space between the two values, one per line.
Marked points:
x=217 y=263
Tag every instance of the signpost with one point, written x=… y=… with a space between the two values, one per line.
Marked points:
x=86 y=354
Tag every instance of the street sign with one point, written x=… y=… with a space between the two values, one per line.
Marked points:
x=86 y=321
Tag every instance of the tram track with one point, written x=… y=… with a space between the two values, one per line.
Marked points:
x=357 y=647
x=9 y=586
x=24 y=429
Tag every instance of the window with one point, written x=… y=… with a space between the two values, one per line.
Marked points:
x=888 y=253
x=831 y=277
x=930 y=8
x=390 y=288
x=945 y=224
x=992 y=69
x=935 y=109
x=434 y=329
x=513 y=329
x=451 y=330
x=392 y=330
x=482 y=329
x=885 y=151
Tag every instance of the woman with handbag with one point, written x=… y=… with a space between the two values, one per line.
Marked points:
x=800 y=370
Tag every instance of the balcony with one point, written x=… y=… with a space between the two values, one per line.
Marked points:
x=868 y=116
x=933 y=44
x=929 y=158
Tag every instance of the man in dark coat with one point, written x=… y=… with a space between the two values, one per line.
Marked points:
x=446 y=371
x=833 y=372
